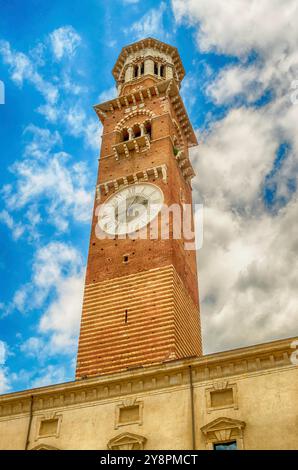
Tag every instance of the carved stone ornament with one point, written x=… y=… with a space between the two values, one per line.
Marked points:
x=127 y=441
x=223 y=430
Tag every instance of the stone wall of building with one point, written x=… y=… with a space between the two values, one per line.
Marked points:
x=247 y=395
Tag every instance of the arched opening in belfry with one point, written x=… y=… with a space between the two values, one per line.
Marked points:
x=136 y=130
x=142 y=68
x=155 y=68
x=135 y=71
x=147 y=128
x=125 y=135
x=162 y=70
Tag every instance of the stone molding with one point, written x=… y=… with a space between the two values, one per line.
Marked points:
x=133 y=101
x=159 y=171
x=44 y=447
x=127 y=441
x=264 y=358
x=221 y=386
x=126 y=404
x=133 y=113
x=49 y=416
x=224 y=430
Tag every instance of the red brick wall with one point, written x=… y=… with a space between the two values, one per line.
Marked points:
x=105 y=263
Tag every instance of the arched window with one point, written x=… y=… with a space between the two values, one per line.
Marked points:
x=155 y=68
x=136 y=130
x=162 y=70
x=135 y=71
x=125 y=135
x=142 y=68
x=147 y=128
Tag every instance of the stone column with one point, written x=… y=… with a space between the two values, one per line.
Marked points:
x=129 y=73
x=149 y=67
x=169 y=72
x=130 y=133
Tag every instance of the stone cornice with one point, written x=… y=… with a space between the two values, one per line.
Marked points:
x=134 y=99
x=257 y=359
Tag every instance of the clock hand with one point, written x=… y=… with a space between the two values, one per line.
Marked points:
x=131 y=204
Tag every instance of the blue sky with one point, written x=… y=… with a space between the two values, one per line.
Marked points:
x=55 y=61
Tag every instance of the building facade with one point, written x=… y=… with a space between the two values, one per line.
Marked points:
x=142 y=381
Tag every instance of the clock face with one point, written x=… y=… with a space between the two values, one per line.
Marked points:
x=130 y=209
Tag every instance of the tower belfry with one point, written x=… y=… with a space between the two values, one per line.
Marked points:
x=147 y=62
x=141 y=304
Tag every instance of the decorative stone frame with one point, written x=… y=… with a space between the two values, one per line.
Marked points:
x=130 y=131
x=48 y=417
x=217 y=387
x=134 y=113
x=223 y=430
x=105 y=188
x=128 y=404
x=127 y=441
x=44 y=447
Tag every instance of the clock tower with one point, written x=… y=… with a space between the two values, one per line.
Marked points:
x=141 y=303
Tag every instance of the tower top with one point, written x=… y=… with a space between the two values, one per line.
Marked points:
x=147 y=58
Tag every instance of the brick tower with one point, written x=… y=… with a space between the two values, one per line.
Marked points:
x=141 y=304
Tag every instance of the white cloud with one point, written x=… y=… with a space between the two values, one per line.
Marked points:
x=57 y=274
x=236 y=156
x=59 y=94
x=188 y=91
x=22 y=68
x=3 y=353
x=46 y=177
x=248 y=277
x=107 y=95
x=78 y=125
x=151 y=24
x=50 y=375
x=51 y=261
x=62 y=318
x=64 y=41
x=240 y=26
x=4 y=373
x=20 y=299
x=248 y=269
x=4 y=380
x=17 y=229
x=33 y=346
x=60 y=267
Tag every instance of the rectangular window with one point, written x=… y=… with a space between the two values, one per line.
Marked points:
x=129 y=414
x=222 y=397
x=232 y=445
x=48 y=427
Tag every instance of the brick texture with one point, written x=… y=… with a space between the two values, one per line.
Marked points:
x=146 y=310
